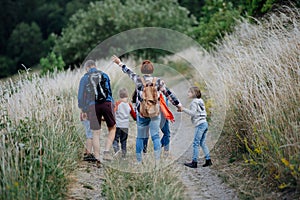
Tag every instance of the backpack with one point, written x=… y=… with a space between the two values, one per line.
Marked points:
x=149 y=106
x=96 y=86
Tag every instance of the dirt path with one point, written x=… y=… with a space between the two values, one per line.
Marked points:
x=200 y=183
x=203 y=182
x=86 y=182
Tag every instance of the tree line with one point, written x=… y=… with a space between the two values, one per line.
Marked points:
x=61 y=32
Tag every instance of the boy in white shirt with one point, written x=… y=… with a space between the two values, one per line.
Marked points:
x=123 y=110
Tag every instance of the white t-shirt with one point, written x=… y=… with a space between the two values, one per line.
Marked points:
x=123 y=115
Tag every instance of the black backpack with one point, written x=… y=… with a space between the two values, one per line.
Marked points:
x=96 y=86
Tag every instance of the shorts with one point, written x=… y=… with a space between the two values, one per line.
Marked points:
x=97 y=111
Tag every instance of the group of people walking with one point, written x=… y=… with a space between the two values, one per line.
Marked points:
x=117 y=114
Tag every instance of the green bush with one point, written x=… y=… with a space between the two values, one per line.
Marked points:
x=52 y=63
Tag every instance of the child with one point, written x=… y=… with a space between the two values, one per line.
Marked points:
x=198 y=117
x=88 y=155
x=122 y=109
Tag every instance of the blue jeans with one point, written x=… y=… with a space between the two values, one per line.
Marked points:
x=142 y=128
x=165 y=140
x=88 y=131
x=199 y=140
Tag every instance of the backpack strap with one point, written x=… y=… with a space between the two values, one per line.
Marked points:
x=154 y=81
x=143 y=81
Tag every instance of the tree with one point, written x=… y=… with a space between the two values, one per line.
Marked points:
x=194 y=6
x=25 y=44
x=50 y=15
x=7 y=66
x=100 y=20
x=218 y=17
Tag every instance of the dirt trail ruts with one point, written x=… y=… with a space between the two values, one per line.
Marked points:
x=86 y=182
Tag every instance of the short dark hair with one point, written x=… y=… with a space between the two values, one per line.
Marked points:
x=196 y=92
x=147 y=67
x=123 y=93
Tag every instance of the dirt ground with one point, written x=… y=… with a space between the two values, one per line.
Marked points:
x=200 y=183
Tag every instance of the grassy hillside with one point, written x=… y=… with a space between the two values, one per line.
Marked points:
x=261 y=70
x=41 y=136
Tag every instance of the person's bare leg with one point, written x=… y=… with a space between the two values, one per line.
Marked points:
x=89 y=145
x=110 y=137
x=96 y=143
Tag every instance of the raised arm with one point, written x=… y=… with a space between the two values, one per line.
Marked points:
x=132 y=75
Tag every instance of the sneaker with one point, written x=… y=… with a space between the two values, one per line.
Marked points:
x=192 y=164
x=89 y=157
x=107 y=156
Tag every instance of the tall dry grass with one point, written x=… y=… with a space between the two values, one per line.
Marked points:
x=42 y=139
x=260 y=63
x=152 y=185
x=39 y=137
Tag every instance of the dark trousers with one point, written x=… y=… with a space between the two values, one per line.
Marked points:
x=121 y=137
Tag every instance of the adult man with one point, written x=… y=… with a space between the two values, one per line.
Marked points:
x=95 y=110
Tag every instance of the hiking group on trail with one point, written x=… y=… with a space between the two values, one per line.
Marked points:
x=151 y=113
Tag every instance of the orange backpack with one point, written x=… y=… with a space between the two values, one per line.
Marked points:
x=149 y=107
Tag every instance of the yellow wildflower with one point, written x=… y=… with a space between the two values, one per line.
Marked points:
x=252 y=162
x=285 y=162
x=258 y=150
x=282 y=186
x=277 y=176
